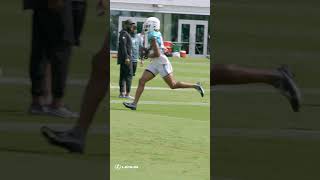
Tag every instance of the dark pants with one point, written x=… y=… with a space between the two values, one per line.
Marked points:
x=125 y=78
x=79 y=14
x=53 y=35
x=134 y=68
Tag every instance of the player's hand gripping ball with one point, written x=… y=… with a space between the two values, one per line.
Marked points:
x=144 y=53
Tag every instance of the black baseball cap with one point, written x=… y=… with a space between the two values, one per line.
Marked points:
x=129 y=22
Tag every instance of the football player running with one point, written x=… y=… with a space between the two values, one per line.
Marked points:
x=159 y=63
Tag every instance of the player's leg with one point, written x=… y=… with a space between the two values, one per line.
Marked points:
x=97 y=87
x=166 y=72
x=74 y=139
x=280 y=78
x=95 y=90
x=234 y=74
x=173 y=84
x=146 y=76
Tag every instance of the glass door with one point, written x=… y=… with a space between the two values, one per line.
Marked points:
x=185 y=37
x=193 y=36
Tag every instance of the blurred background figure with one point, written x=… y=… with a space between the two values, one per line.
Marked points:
x=137 y=44
x=56 y=27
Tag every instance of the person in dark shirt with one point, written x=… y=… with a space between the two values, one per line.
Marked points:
x=124 y=56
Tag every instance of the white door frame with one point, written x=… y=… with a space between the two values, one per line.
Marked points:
x=192 y=37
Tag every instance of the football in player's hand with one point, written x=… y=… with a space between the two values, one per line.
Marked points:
x=144 y=53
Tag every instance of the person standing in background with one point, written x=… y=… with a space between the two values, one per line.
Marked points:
x=124 y=56
x=56 y=27
x=137 y=44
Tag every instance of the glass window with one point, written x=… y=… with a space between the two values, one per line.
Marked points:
x=169 y=25
x=200 y=33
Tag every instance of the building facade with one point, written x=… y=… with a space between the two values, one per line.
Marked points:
x=182 y=22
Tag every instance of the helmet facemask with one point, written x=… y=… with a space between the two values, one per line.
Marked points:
x=150 y=25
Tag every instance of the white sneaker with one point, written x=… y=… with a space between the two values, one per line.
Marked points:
x=129 y=97
x=121 y=96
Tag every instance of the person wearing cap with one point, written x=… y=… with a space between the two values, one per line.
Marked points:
x=124 y=56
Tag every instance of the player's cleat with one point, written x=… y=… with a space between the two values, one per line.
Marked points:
x=199 y=88
x=64 y=139
x=62 y=112
x=289 y=88
x=131 y=106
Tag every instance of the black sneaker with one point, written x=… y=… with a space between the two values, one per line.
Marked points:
x=64 y=139
x=199 y=88
x=289 y=88
x=131 y=106
x=62 y=112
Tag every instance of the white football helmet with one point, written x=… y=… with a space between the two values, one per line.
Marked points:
x=151 y=24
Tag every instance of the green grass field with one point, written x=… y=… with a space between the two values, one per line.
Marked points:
x=168 y=139
x=258 y=137
x=24 y=153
